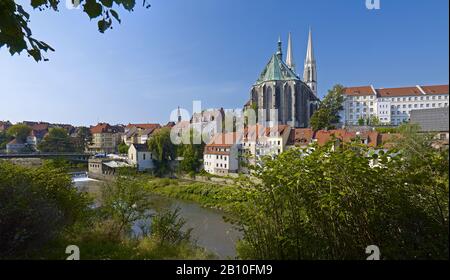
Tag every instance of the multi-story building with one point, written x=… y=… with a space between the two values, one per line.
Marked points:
x=139 y=133
x=391 y=106
x=105 y=138
x=221 y=155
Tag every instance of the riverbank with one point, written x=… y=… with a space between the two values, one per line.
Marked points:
x=210 y=195
x=211 y=227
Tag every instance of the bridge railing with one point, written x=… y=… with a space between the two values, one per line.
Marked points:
x=45 y=155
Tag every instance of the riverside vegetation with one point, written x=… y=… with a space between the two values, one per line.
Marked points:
x=326 y=202
x=41 y=213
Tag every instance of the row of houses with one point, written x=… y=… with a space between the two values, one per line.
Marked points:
x=106 y=138
x=38 y=131
x=227 y=151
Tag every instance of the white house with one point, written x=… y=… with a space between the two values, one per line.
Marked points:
x=140 y=157
x=221 y=155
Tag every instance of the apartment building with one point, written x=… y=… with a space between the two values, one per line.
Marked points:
x=391 y=106
x=221 y=155
x=105 y=138
x=139 y=133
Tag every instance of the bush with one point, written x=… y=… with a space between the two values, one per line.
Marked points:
x=333 y=204
x=36 y=205
x=167 y=227
x=387 y=129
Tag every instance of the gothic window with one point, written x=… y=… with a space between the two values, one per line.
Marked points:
x=268 y=102
x=288 y=103
x=311 y=109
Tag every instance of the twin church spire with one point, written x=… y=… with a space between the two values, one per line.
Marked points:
x=310 y=67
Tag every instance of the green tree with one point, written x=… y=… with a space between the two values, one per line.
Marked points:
x=373 y=121
x=321 y=119
x=326 y=203
x=36 y=205
x=328 y=113
x=20 y=132
x=57 y=140
x=83 y=138
x=361 y=121
x=17 y=36
x=192 y=154
x=125 y=202
x=162 y=148
x=123 y=148
x=4 y=139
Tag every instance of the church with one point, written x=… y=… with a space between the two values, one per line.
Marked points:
x=280 y=95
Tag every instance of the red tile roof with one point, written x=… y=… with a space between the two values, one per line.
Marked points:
x=100 y=128
x=359 y=91
x=324 y=136
x=144 y=125
x=225 y=139
x=440 y=89
x=301 y=136
x=403 y=91
x=253 y=132
x=400 y=91
x=40 y=127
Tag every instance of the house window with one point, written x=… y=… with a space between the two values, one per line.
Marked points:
x=143 y=156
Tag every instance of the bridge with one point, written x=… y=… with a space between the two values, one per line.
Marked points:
x=82 y=157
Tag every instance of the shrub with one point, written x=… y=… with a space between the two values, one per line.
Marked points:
x=167 y=227
x=36 y=205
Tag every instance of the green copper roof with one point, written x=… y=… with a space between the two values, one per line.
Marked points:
x=276 y=70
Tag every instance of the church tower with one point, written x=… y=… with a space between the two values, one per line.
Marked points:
x=290 y=55
x=310 y=70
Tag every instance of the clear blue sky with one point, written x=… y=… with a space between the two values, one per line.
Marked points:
x=213 y=50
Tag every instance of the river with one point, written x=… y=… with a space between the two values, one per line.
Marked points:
x=208 y=226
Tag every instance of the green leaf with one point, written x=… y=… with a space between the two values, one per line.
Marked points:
x=103 y=25
x=107 y=3
x=115 y=15
x=22 y=11
x=37 y=3
x=92 y=8
x=128 y=4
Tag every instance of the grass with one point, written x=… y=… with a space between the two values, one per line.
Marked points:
x=206 y=194
x=98 y=246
